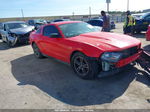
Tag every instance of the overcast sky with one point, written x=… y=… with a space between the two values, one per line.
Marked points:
x=12 y=8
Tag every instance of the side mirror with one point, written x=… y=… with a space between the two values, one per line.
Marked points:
x=54 y=35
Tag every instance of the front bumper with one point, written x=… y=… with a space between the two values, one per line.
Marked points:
x=128 y=60
x=23 y=40
x=114 y=68
x=114 y=71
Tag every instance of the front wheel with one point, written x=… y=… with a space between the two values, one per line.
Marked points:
x=37 y=52
x=10 y=44
x=84 y=67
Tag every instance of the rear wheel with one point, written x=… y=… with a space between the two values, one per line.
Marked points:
x=37 y=52
x=84 y=67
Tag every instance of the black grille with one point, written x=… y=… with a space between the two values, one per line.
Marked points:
x=130 y=52
x=25 y=35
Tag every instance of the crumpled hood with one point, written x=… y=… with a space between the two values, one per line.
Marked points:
x=107 y=41
x=22 y=30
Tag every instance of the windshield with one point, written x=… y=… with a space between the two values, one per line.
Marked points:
x=16 y=25
x=75 y=29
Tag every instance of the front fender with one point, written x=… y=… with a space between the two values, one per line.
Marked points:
x=89 y=50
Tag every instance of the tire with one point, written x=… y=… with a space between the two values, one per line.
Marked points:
x=37 y=52
x=84 y=67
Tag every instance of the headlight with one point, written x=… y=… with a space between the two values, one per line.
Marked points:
x=111 y=56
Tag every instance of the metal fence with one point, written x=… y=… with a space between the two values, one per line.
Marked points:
x=115 y=18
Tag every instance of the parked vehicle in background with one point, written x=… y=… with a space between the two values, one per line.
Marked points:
x=142 y=23
x=14 y=32
x=96 y=22
x=88 y=50
x=49 y=21
x=57 y=20
x=138 y=15
x=37 y=22
x=148 y=34
x=99 y=23
x=60 y=20
x=1 y=26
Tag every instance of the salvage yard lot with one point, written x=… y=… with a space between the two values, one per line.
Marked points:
x=30 y=83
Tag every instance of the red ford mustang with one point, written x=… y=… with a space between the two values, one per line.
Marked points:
x=90 y=52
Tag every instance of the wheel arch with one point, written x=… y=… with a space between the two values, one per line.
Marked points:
x=78 y=51
x=74 y=52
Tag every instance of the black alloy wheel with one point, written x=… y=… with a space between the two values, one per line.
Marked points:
x=84 y=67
x=81 y=66
x=37 y=52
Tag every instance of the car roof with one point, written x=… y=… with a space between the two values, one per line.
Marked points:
x=65 y=22
x=14 y=22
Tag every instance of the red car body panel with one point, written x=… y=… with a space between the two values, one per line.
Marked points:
x=126 y=61
x=91 y=44
x=148 y=34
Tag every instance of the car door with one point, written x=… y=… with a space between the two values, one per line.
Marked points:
x=52 y=46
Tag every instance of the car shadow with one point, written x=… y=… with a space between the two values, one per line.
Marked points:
x=4 y=46
x=59 y=81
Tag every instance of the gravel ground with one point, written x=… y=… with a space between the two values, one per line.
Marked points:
x=30 y=83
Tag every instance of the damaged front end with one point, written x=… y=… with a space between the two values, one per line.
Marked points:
x=18 y=38
x=144 y=61
x=114 y=62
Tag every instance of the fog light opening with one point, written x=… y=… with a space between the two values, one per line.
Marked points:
x=105 y=66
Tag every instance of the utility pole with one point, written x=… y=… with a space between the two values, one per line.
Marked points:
x=108 y=2
x=90 y=12
x=108 y=7
x=73 y=15
x=22 y=14
x=128 y=5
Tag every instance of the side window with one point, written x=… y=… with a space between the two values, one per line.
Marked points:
x=48 y=30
